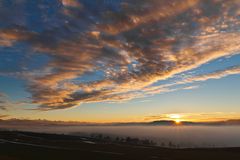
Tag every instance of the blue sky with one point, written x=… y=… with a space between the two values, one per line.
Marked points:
x=119 y=60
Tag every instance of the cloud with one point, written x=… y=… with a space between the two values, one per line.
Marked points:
x=3 y=101
x=3 y=116
x=215 y=75
x=198 y=78
x=132 y=44
x=10 y=35
x=71 y=3
x=7 y=104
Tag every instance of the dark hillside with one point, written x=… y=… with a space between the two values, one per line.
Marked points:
x=37 y=146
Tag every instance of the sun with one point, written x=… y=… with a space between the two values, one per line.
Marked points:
x=177 y=121
x=176 y=118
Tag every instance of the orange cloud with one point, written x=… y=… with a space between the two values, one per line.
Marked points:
x=71 y=3
x=140 y=12
x=146 y=42
x=215 y=75
x=9 y=36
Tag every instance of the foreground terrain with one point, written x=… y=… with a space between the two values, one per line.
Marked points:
x=37 y=146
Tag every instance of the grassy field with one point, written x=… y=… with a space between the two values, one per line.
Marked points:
x=36 y=146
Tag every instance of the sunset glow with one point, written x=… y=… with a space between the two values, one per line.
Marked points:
x=120 y=61
x=175 y=116
x=177 y=121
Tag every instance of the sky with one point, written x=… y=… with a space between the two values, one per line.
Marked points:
x=120 y=60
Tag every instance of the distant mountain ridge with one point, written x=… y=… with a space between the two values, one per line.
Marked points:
x=153 y=123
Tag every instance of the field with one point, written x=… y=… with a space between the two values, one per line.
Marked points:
x=37 y=146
